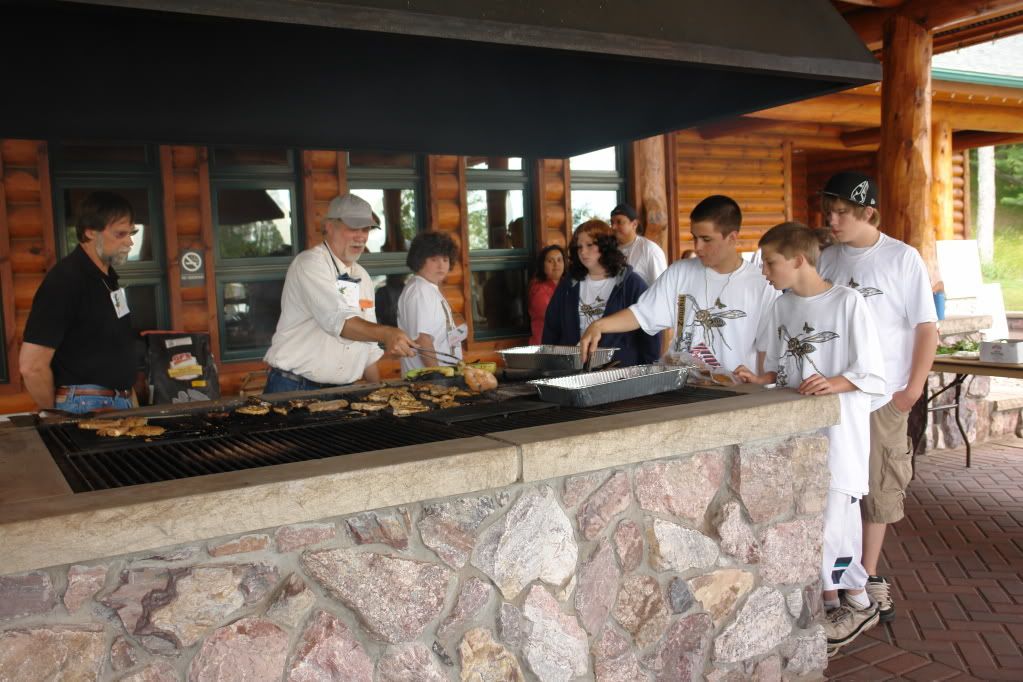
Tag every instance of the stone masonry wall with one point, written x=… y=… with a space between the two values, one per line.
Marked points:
x=704 y=564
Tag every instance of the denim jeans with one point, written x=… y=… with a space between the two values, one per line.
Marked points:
x=80 y=404
x=276 y=382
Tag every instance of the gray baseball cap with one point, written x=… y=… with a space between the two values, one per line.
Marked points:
x=353 y=211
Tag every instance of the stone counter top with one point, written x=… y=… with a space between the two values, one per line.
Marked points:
x=42 y=523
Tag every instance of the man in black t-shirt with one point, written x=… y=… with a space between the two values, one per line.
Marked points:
x=78 y=350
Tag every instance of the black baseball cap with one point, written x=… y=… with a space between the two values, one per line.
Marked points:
x=856 y=188
x=626 y=210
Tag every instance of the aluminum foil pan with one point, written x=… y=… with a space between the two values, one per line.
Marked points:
x=553 y=357
x=597 y=388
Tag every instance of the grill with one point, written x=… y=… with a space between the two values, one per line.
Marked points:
x=196 y=445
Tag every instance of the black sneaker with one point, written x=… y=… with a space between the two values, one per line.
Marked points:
x=880 y=590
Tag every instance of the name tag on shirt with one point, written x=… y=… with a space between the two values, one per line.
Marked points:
x=457 y=335
x=349 y=293
x=120 y=300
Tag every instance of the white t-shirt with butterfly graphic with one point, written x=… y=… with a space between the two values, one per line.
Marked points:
x=722 y=312
x=892 y=278
x=593 y=295
x=831 y=334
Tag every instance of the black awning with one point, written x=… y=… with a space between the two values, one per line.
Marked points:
x=491 y=77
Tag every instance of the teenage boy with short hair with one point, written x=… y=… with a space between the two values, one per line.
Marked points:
x=725 y=297
x=821 y=340
x=892 y=279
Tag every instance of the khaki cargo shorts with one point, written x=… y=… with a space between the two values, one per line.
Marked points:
x=891 y=465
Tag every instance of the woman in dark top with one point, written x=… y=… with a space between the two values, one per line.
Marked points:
x=599 y=283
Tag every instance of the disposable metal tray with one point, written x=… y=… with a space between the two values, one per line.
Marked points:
x=548 y=357
x=597 y=388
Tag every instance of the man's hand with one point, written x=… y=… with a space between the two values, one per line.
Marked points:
x=396 y=342
x=589 y=341
x=905 y=399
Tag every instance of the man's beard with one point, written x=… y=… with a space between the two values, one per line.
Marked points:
x=116 y=259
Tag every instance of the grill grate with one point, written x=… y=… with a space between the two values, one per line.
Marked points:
x=101 y=464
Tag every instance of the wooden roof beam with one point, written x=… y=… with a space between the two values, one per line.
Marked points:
x=971 y=139
x=868 y=137
x=865 y=111
x=933 y=15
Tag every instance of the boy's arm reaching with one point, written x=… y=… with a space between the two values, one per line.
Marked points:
x=616 y=323
x=747 y=376
x=820 y=385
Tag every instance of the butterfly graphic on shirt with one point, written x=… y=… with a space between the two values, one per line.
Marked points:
x=711 y=320
x=865 y=292
x=800 y=346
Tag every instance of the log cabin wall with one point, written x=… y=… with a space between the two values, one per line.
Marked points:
x=960 y=195
x=551 y=202
x=27 y=249
x=749 y=168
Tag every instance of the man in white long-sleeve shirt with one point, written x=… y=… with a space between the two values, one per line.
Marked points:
x=327 y=334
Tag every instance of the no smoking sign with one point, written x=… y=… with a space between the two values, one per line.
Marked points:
x=192 y=271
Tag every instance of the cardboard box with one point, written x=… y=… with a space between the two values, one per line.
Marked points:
x=1007 y=351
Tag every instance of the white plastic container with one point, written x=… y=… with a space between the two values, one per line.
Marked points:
x=1005 y=351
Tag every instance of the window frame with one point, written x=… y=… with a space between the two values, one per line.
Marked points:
x=368 y=177
x=599 y=181
x=260 y=275
x=253 y=183
x=113 y=176
x=497 y=260
x=255 y=268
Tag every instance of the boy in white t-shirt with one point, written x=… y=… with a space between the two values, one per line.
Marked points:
x=821 y=340
x=645 y=257
x=724 y=296
x=892 y=279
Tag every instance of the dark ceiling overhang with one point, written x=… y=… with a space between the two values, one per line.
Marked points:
x=484 y=77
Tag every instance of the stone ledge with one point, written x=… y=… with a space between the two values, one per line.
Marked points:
x=574 y=447
x=963 y=324
x=138 y=518
x=1004 y=402
x=80 y=527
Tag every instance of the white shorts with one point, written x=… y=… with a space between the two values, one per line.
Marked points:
x=843 y=543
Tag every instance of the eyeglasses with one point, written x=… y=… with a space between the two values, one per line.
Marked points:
x=121 y=234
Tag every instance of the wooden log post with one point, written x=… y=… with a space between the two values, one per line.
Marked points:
x=904 y=157
x=649 y=183
x=942 y=199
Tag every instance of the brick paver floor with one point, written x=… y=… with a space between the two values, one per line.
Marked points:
x=956 y=562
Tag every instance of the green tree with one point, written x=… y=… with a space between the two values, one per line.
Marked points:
x=1009 y=174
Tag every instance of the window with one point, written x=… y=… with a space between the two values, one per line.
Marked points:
x=500 y=245
x=391 y=185
x=256 y=228
x=80 y=168
x=597 y=184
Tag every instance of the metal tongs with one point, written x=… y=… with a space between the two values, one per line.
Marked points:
x=437 y=355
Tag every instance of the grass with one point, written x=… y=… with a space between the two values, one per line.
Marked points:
x=1008 y=266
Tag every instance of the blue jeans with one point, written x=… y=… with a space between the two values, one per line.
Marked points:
x=277 y=382
x=80 y=404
